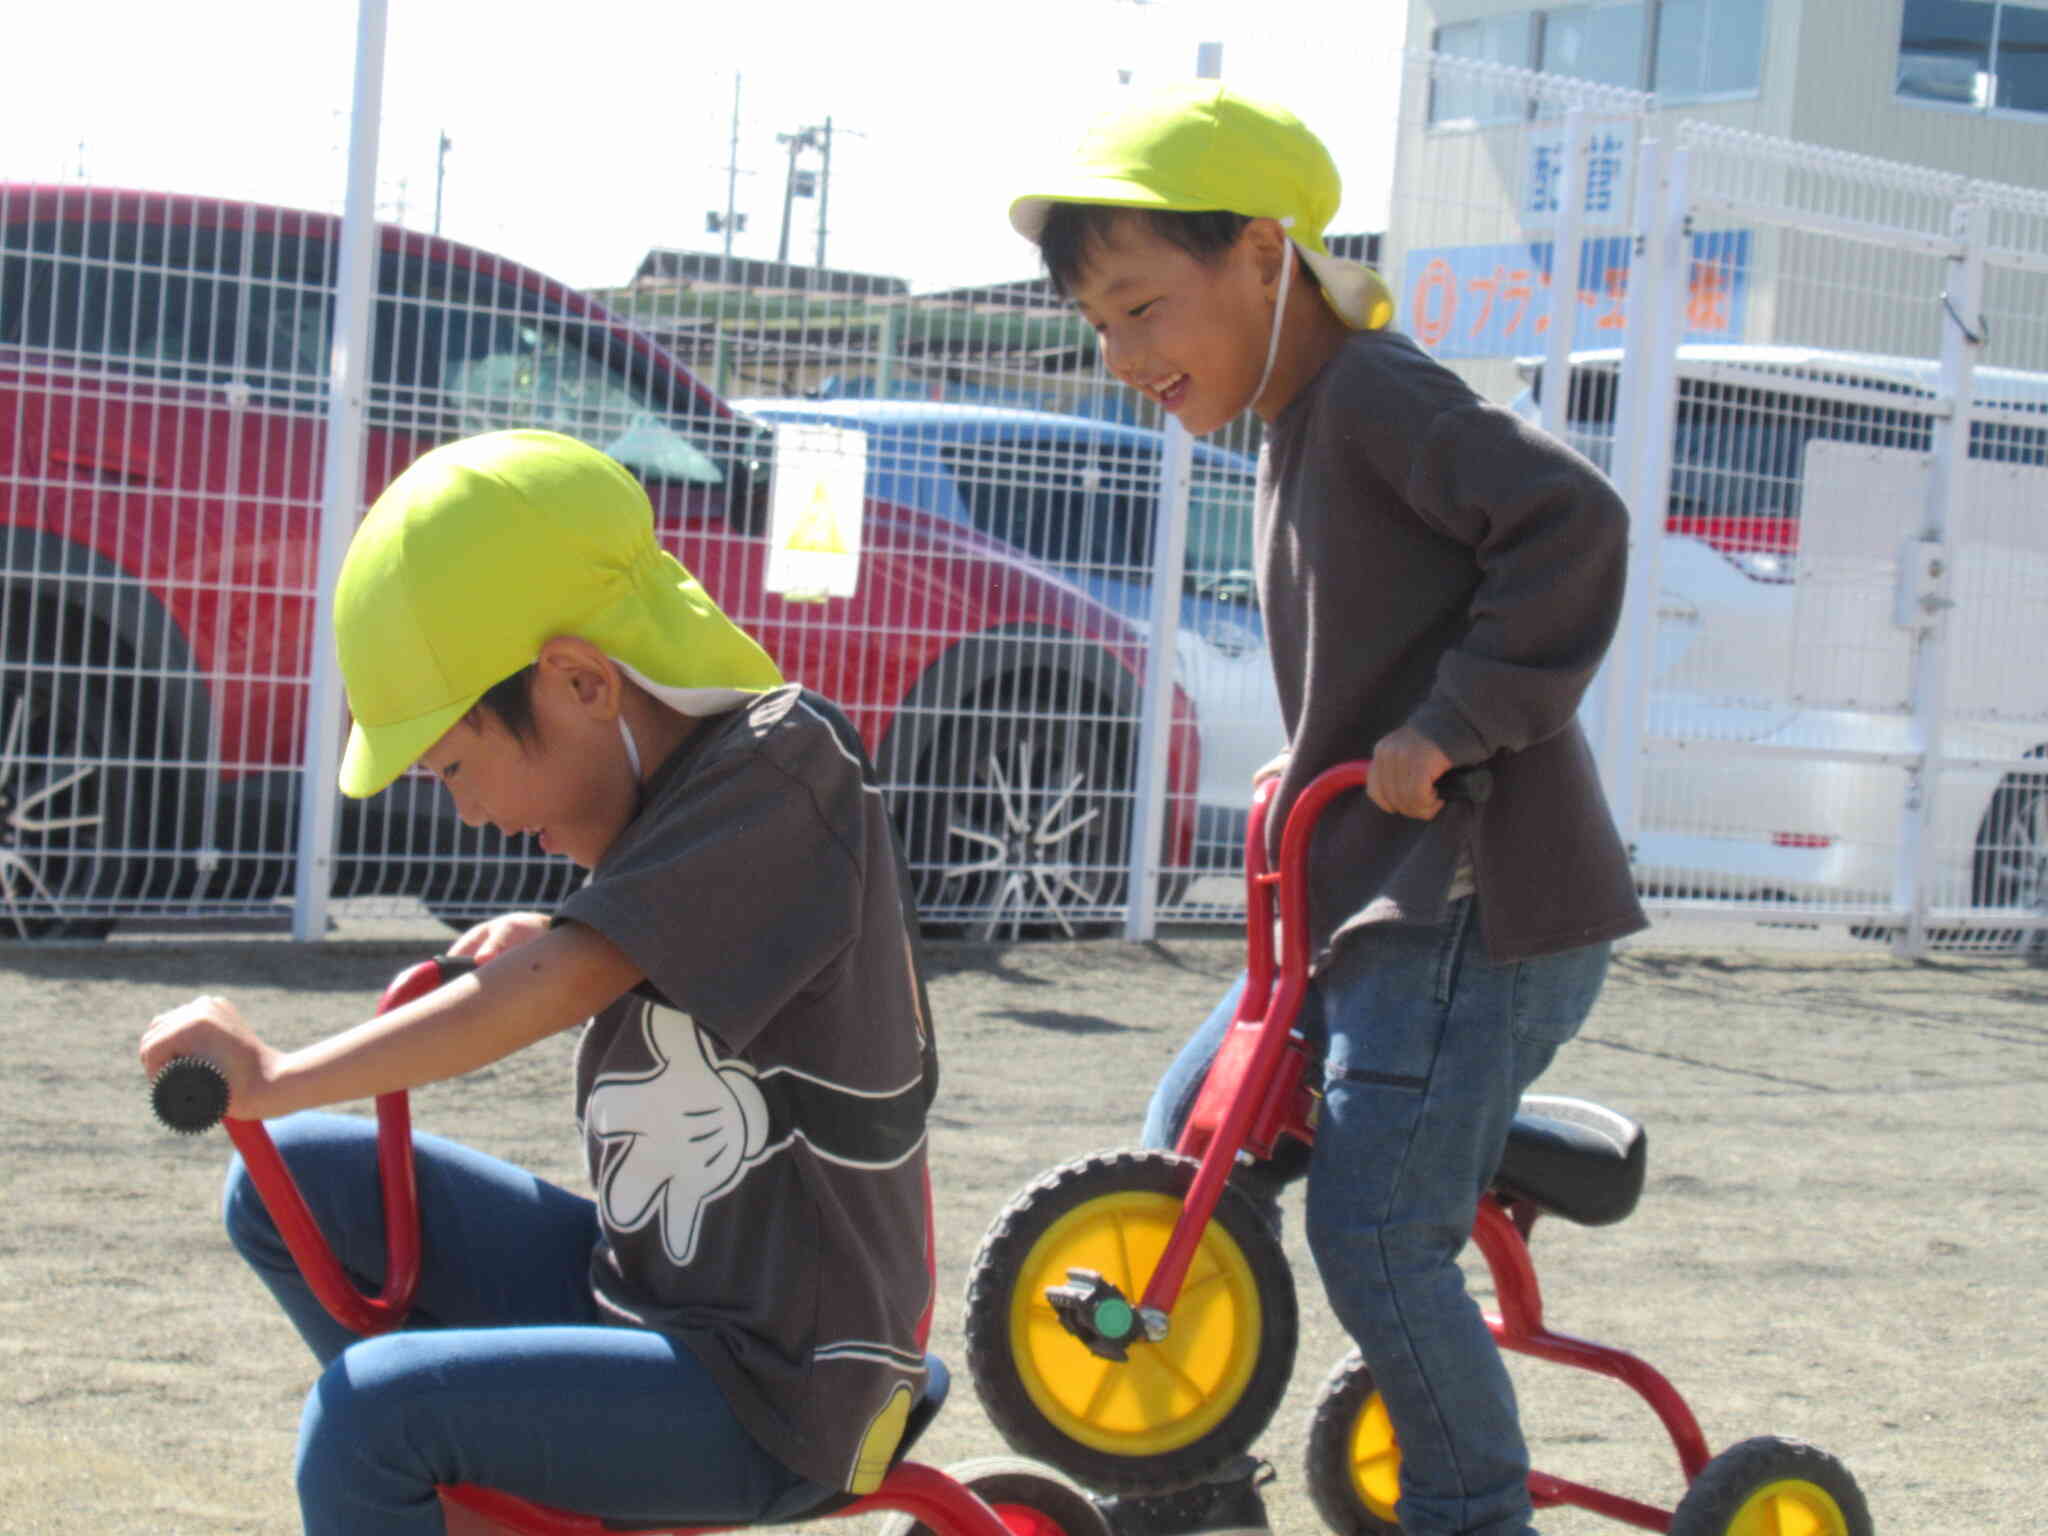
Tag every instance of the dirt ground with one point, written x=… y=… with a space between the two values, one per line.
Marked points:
x=1840 y=1240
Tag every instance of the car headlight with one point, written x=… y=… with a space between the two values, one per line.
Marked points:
x=1762 y=564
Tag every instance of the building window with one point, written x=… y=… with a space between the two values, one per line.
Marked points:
x=1684 y=50
x=1979 y=54
x=1709 y=49
x=1601 y=43
x=1496 y=40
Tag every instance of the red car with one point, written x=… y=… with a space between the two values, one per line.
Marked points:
x=163 y=397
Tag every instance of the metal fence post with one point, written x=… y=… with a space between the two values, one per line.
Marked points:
x=1641 y=462
x=1162 y=647
x=342 y=476
x=1924 y=572
x=1567 y=244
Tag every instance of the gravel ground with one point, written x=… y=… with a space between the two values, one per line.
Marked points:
x=1839 y=1240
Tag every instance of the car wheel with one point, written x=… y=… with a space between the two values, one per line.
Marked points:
x=2009 y=868
x=1019 y=821
x=62 y=806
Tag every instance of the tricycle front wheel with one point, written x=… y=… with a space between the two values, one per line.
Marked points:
x=1174 y=1409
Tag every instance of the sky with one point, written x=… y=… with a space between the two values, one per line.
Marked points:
x=575 y=151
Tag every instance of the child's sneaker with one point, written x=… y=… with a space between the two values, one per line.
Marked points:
x=1227 y=1503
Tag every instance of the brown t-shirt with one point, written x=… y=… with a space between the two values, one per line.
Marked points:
x=754 y=1113
x=1426 y=558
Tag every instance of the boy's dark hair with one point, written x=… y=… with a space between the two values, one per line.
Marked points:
x=511 y=701
x=1073 y=231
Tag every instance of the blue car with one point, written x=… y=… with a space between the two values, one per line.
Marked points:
x=1077 y=494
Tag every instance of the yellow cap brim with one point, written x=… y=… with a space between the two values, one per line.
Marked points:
x=377 y=755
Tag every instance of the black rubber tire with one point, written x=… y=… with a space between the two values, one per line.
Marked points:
x=1351 y=1495
x=1021 y=813
x=1032 y=1500
x=1723 y=1499
x=60 y=754
x=2009 y=866
x=1242 y=1270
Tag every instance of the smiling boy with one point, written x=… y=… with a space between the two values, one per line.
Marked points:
x=1439 y=583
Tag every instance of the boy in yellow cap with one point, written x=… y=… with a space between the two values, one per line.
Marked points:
x=732 y=1330
x=1439 y=583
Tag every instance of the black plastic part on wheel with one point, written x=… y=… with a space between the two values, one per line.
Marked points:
x=1333 y=1485
x=1747 y=1468
x=990 y=1292
x=189 y=1095
x=1012 y=1481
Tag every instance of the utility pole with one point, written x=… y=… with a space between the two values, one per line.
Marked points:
x=796 y=143
x=441 y=175
x=824 y=186
x=803 y=183
x=732 y=174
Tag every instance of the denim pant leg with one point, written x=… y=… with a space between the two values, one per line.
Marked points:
x=1429 y=1049
x=1173 y=1099
x=502 y=1375
x=483 y=1225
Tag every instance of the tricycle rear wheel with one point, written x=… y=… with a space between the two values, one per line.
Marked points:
x=1353 y=1462
x=1769 y=1485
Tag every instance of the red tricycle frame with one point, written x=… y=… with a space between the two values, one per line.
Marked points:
x=1258 y=1090
x=912 y=1488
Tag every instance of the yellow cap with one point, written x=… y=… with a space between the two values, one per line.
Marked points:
x=484 y=549
x=1200 y=147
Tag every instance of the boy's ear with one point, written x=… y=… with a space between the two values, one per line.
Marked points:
x=1266 y=240
x=583 y=672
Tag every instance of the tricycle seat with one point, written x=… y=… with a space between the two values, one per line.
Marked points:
x=1575 y=1159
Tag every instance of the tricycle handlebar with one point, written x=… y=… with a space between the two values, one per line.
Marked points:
x=191 y=1095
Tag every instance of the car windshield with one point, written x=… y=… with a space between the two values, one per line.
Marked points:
x=528 y=374
x=1219 y=557
x=1090 y=508
x=1740 y=452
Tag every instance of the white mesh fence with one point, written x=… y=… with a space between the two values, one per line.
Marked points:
x=1836 y=722
x=1824 y=709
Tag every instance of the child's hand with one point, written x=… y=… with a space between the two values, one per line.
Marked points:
x=494 y=936
x=1405 y=767
x=210 y=1027
x=1270 y=770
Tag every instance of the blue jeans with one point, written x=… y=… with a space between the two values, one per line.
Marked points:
x=503 y=1375
x=1428 y=1047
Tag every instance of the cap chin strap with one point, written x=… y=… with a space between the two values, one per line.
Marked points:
x=632 y=750
x=1279 y=313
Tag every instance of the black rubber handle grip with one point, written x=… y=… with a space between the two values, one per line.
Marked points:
x=189 y=1095
x=1474 y=784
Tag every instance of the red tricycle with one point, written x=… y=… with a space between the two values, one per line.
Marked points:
x=990 y=1496
x=1131 y=1318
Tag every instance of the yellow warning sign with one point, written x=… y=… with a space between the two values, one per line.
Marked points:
x=817 y=526
x=815 y=503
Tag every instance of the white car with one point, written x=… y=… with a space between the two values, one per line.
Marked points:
x=1780 y=728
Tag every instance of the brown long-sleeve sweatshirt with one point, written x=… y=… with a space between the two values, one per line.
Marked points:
x=1427 y=558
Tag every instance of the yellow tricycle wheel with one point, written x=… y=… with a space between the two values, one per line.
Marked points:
x=1174 y=1409
x=1772 y=1487
x=1353 y=1460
